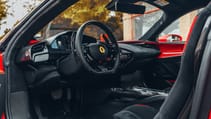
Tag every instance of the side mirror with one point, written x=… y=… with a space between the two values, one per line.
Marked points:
x=170 y=38
x=125 y=7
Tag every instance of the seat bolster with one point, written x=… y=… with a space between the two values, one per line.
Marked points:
x=126 y=115
x=136 y=112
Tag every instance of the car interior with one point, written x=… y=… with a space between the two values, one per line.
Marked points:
x=75 y=75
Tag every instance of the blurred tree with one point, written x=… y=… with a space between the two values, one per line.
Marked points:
x=81 y=12
x=5 y=32
x=30 y=5
x=3 y=10
x=3 y=14
x=85 y=10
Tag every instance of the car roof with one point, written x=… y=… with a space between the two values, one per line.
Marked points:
x=173 y=10
x=175 y=6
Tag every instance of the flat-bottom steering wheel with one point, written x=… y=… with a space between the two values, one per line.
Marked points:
x=99 y=57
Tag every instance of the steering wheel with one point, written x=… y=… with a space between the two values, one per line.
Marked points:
x=99 y=57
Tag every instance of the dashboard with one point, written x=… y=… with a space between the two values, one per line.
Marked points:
x=50 y=60
x=62 y=45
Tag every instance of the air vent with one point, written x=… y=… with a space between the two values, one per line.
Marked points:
x=37 y=48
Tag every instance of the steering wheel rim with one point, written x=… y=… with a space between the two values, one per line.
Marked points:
x=80 y=53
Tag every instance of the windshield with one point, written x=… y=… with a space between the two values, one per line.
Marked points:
x=141 y=23
x=124 y=26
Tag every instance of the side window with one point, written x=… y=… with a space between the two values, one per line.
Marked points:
x=179 y=29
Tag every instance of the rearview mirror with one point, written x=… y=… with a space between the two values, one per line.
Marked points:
x=125 y=7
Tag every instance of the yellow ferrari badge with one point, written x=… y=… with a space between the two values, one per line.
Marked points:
x=102 y=49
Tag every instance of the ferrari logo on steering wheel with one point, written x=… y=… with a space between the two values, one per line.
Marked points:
x=102 y=50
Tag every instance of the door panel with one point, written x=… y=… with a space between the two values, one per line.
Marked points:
x=164 y=69
x=169 y=50
x=167 y=68
x=162 y=73
x=169 y=59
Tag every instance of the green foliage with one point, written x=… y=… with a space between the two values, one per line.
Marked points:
x=85 y=10
x=3 y=10
x=79 y=13
x=31 y=4
x=28 y=5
